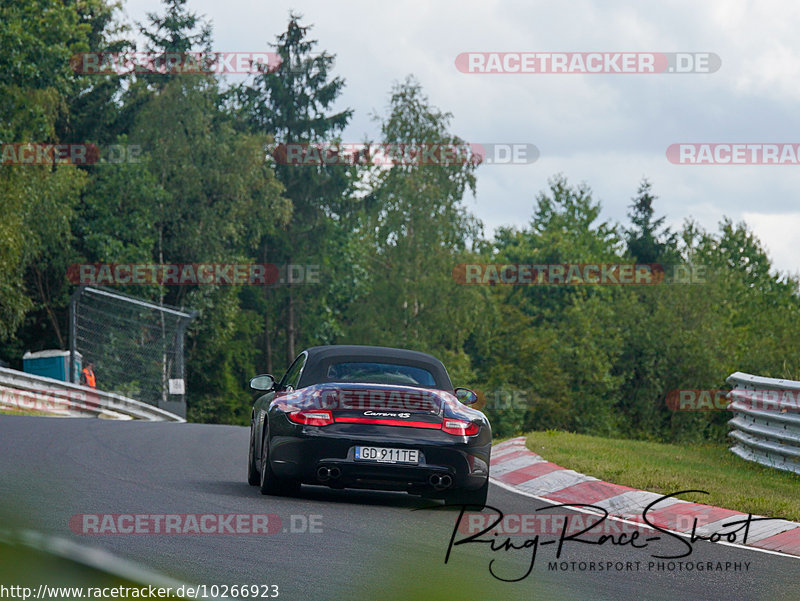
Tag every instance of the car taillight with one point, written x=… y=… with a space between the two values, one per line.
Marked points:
x=460 y=427
x=311 y=417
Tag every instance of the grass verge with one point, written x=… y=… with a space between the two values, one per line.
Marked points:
x=4 y=411
x=665 y=468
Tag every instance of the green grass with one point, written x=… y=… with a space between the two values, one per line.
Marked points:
x=22 y=412
x=665 y=468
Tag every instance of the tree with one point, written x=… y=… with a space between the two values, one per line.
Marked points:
x=93 y=113
x=418 y=230
x=177 y=31
x=565 y=228
x=36 y=201
x=762 y=307
x=293 y=103
x=647 y=242
x=203 y=192
x=219 y=199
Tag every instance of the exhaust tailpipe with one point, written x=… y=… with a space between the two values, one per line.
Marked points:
x=325 y=473
x=440 y=481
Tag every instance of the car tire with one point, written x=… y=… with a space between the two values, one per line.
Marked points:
x=253 y=477
x=469 y=497
x=269 y=483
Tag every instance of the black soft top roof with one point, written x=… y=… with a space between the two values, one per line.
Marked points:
x=321 y=357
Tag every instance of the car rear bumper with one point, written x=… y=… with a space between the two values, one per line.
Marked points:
x=325 y=456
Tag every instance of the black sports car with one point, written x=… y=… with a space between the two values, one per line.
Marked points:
x=369 y=417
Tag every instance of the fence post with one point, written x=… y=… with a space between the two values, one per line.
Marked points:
x=73 y=333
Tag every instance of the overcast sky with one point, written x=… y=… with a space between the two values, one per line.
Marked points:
x=607 y=130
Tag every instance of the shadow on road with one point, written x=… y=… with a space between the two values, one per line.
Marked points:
x=322 y=494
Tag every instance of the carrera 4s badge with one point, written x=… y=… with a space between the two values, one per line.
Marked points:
x=387 y=414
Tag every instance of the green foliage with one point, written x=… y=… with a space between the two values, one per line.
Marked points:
x=292 y=103
x=36 y=202
x=645 y=242
x=416 y=232
x=38 y=38
x=36 y=208
x=591 y=359
x=601 y=359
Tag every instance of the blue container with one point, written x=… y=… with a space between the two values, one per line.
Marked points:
x=51 y=364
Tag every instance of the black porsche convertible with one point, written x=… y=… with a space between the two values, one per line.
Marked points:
x=368 y=417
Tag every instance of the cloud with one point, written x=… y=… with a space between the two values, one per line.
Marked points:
x=781 y=235
x=609 y=130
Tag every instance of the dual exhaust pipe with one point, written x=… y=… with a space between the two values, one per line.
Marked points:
x=325 y=473
x=440 y=481
x=437 y=481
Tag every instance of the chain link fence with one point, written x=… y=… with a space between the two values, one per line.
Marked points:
x=135 y=347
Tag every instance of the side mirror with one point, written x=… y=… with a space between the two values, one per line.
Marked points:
x=466 y=396
x=263 y=382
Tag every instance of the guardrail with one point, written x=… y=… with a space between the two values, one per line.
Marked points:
x=766 y=422
x=37 y=394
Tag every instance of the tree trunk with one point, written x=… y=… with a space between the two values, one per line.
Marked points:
x=290 y=325
x=39 y=277
x=267 y=332
x=267 y=323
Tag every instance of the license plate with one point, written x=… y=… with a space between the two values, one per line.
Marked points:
x=383 y=455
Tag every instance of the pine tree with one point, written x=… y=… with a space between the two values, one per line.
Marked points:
x=292 y=102
x=648 y=241
x=176 y=31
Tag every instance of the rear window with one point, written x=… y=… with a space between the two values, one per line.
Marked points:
x=379 y=373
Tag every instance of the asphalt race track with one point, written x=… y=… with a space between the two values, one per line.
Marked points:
x=369 y=545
